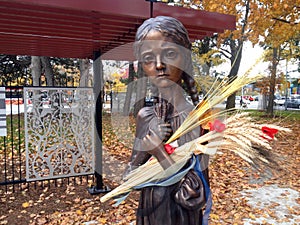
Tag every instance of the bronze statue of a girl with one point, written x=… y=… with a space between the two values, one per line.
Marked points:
x=163 y=49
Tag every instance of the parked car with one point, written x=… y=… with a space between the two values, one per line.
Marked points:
x=293 y=101
x=256 y=98
x=279 y=101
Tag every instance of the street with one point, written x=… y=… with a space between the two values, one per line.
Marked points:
x=255 y=105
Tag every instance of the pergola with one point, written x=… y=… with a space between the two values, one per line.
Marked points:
x=89 y=29
x=77 y=28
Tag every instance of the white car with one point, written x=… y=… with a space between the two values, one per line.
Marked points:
x=279 y=101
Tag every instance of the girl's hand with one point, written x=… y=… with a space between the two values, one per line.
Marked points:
x=162 y=129
x=155 y=146
x=160 y=124
x=165 y=131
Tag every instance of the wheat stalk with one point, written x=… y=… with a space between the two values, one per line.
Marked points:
x=216 y=96
x=241 y=136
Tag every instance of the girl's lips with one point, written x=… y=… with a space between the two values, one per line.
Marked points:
x=162 y=75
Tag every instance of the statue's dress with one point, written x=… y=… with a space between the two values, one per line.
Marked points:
x=158 y=205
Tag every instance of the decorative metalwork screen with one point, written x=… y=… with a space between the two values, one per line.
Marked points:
x=59 y=132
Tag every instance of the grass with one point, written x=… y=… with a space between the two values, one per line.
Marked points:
x=15 y=134
x=290 y=114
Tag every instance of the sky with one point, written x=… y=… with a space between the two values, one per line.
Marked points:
x=250 y=56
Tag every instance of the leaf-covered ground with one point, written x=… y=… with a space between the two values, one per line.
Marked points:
x=233 y=185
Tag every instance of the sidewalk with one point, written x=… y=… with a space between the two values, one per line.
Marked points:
x=278 y=205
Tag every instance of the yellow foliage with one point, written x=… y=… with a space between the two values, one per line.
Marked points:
x=275 y=21
x=214 y=216
x=25 y=204
x=102 y=220
x=79 y=212
x=209 y=58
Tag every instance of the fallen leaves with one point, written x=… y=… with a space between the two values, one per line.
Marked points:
x=25 y=204
x=70 y=204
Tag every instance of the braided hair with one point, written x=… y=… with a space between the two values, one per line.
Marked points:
x=174 y=30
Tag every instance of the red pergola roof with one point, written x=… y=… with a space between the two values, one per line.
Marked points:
x=77 y=28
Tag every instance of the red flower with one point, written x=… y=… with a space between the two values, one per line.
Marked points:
x=269 y=131
x=169 y=149
x=217 y=125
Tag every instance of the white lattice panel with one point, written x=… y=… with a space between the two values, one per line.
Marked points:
x=59 y=130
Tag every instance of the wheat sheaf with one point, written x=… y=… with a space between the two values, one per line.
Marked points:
x=239 y=134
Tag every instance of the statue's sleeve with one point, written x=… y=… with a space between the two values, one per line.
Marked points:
x=191 y=190
x=190 y=193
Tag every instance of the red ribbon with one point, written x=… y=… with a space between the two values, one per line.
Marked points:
x=217 y=125
x=169 y=149
x=269 y=131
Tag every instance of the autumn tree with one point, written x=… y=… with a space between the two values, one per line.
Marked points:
x=141 y=90
x=17 y=70
x=285 y=51
x=279 y=30
x=131 y=75
x=205 y=56
x=85 y=75
x=66 y=70
x=36 y=70
x=14 y=70
x=272 y=22
x=230 y=43
x=48 y=71
x=60 y=71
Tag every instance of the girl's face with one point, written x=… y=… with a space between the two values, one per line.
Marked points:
x=161 y=59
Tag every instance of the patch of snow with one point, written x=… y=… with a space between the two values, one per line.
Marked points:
x=276 y=200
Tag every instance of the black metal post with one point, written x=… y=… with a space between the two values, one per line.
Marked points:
x=111 y=100
x=98 y=92
x=151 y=7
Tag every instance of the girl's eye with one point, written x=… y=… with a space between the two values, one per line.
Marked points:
x=148 y=58
x=170 y=54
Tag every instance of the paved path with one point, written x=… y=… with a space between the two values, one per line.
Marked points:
x=276 y=201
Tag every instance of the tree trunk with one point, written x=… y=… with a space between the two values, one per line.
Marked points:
x=48 y=70
x=36 y=70
x=84 y=66
x=129 y=91
x=236 y=56
x=270 y=110
x=205 y=69
x=141 y=91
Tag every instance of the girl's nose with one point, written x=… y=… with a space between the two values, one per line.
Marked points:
x=159 y=63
